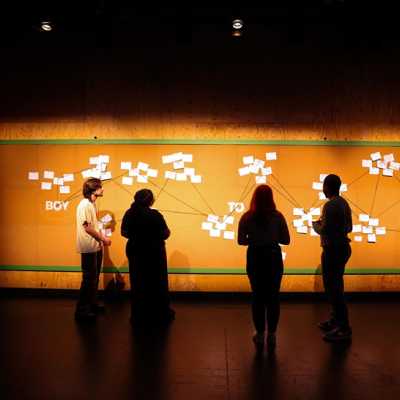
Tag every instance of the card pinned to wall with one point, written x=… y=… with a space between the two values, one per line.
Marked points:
x=65 y=189
x=170 y=175
x=212 y=218
x=381 y=164
x=261 y=179
x=142 y=166
x=322 y=177
x=394 y=166
x=46 y=185
x=127 y=180
x=321 y=196
x=372 y=238
x=367 y=229
x=215 y=233
x=134 y=172
x=358 y=238
x=297 y=223
x=271 y=156
x=373 y=171
x=357 y=228
x=152 y=173
x=142 y=179
x=105 y=176
x=374 y=221
x=388 y=157
x=244 y=171
x=266 y=171
x=195 y=178
x=228 y=219
x=179 y=165
x=206 y=226
x=302 y=229
x=187 y=157
x=181 y=177
x=343 y=187
x=69 y=177
x=33 y=176
x=376 y=156
x=363 y=217
x=48 y=174
x=298 y=211
x=126 y=165
x=104 y=159
x=317 y=185
x=315 y=211
x=189 y=171
x=247 y=160
x=387 y=172
x=107 y=218
x=366 y=163
x=93 y=160
x=380 y=230
x=230 y=235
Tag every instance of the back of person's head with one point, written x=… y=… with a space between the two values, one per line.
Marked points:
x=90 y=186
x=144 y=198
x=262 y=203
x=332 y=184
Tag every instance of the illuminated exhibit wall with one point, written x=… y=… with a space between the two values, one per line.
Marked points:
x=202 y=190
x=321 y=109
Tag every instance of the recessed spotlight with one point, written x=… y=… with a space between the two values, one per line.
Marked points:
x=46 y=26
x=237 y=24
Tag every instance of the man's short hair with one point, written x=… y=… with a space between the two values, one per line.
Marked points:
x=333 y=183
x=90 y=186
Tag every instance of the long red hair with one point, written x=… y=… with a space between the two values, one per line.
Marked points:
x=262 y=203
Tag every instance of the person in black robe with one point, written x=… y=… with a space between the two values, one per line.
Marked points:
x=146 y=231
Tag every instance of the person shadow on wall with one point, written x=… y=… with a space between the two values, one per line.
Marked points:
x=113 y=281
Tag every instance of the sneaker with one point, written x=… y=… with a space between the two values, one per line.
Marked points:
x=258 y=339
x=338 y=335
x=327 y=326
x=85 y=316
x=271 y=341
x=98 y=309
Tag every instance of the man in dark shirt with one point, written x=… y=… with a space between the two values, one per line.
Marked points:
x=333 y=228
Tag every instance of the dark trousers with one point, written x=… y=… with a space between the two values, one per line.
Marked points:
x=333 y=261
x=91 y=266
x=265 y=269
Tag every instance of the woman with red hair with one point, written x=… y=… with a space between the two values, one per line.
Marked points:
x=262 y=228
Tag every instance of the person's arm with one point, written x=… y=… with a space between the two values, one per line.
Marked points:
x=162 y=226
x=89 y=229
x=125 y=226
x=284 y=236
x=243 y=239
x=331 y=221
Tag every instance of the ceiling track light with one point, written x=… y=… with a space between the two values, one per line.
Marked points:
x=46 y=26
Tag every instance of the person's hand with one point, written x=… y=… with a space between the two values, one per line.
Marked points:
x=107 y=241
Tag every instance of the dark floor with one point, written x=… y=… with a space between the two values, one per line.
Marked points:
x=207 y=353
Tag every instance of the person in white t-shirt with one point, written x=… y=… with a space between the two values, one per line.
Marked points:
x=90 y=243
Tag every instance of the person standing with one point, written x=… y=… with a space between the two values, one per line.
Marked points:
x=333 y=228
x=89 y=244
x=146 y=231
x=262 y=228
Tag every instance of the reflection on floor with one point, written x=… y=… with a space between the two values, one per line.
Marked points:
x=206 y=353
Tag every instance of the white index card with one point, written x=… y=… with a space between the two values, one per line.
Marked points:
x=376 y=156
x=58 y=181
x=46 y=186
x=357 y=228
x=374 y=221
x=195 y=179
x=176 y=157
x=381 y=164
x=358 y=238
x=380 y=230
x=170 y=175
x=373 y=171
x=33 y=176
x=94 y=173
x=142 y=179
x=107 y=232
x=228 y=219
x=297 y=223
x=259 y=163
x=343 y=187
x=104 y=159
x=388 y=157
x=321 y=196
x=317 y=185
x=189 y=171
x=134 y=172
x=244 y=171
x=395 y=166
x=302 y=229
x=247 y=160
x=181 y=177
x=366 y=163
x=65 y=189
x=212 y=218
x=254 y=168
x=152 y=173
x=261 y=179
x=106 y=219
x=298 y=211
x=220 y=225
x=86 y=173
x=93 y=160
x=206 y=226
x=271 y=156
x=101 y=167
x=367 y=229
x=142 y=166
x=187 y=157
x=266 y=171
x=315 y=211
x=126 y=165
x=127 y=180
x=48 y=174
x=215 y=233
x=229 y=235
x=363 y=217
x=313 y=233
x=69 y=177
x=322 y=177
x=179 y=164
x=387 y=172
x=372 y=238
x=105 y=175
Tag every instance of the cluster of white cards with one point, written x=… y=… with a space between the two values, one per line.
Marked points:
x=303 y=224
x=181 y=172
x=217 y=226
x=319 y=185
x=102 y=225
x=257 y=167
x=369 y=227
x=385 y=165
x=142 y=172
x=99 y=169
x=51 y=181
